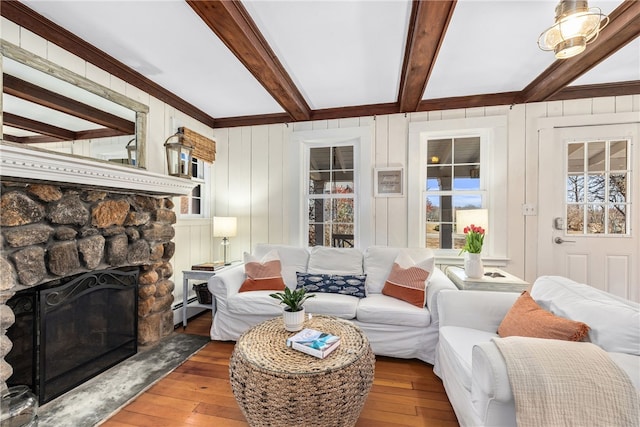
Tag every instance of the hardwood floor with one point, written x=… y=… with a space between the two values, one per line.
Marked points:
x=198 y=393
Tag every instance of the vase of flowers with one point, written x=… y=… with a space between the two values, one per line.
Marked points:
x=474 y=238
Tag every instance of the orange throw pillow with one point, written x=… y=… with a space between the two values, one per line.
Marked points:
x=408 y=281
x=527 y=319
x=262 y=274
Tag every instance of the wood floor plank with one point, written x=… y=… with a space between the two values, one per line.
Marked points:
x=198 y=393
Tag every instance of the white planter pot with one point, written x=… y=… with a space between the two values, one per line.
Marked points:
x=293 y=320
x=473 y=267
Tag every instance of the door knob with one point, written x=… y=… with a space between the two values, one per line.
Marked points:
x=560 y=240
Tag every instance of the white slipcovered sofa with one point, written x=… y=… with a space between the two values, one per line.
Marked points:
x=394 y=327
x=472 y=367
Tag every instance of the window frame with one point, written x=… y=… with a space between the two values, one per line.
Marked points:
x=492 y=131
x=204 y=182
x=301 y=143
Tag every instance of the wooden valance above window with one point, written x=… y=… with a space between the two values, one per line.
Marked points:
x=203 y=148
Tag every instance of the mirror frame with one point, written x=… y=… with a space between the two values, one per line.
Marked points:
x=25 y=57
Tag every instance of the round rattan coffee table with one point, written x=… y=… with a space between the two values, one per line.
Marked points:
x=275 y=385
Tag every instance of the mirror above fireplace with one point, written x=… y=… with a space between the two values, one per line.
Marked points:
x=48 y=107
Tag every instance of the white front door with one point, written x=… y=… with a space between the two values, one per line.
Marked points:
x=588 y=206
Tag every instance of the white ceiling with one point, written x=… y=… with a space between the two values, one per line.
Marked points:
x=338 y=53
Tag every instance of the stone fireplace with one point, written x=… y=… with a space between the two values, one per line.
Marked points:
x=61 y=217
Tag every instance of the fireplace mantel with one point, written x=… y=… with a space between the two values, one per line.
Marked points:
x=31 y=164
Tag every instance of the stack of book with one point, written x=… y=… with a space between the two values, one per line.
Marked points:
x=316 y=343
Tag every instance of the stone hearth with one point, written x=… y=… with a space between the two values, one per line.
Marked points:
x=54 y=231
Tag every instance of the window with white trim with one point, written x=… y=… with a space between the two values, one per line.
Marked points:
x=453 y=171
x=194 y=204
x=331 y=196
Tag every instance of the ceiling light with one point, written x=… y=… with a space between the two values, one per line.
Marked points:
x=576 y=25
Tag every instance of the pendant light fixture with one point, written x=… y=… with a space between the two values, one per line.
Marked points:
x=576 y=25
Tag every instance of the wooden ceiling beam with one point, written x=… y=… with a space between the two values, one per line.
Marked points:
x=472 y=101
x=231 y=22
x=27 y=18
x=623 y=27
x=31 y=125
x=38 y=95
x=597 y=91
x=427 y=27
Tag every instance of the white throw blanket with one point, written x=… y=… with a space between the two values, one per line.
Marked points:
x=564 y=383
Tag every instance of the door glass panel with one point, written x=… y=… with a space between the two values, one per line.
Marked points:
x=617 y=219
x=597 y=157
x=595 y=219
x=575 y=219
x=595 y=192
x=575 y=156
x=618 y=188
x=618 y=155
x=575 y=188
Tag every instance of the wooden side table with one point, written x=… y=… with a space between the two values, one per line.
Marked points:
x=493 y=280
x=276 y=385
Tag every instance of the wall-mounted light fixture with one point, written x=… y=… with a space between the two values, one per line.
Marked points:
x=575 y=25
x=178 y=156
x=435 y=159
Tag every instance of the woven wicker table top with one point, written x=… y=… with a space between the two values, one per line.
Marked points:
x=264 y=346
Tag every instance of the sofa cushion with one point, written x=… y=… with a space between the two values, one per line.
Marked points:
x=614 y=322
x=333 y=283
x=457 y=345
x=378 y=261
x=343 y=306
x=326 y=260
x=378 y=308
x=292 y=259
x=250 y=303
x=408 y=279
x=528 y=319
x=262 y=273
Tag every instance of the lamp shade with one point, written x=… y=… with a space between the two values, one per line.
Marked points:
x=225 y=226
x=467 y=217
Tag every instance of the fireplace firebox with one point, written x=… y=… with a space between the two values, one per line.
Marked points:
x=72 y=329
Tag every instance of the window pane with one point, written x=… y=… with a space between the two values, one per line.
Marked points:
x=596 y=153
x=618 y=188
x=195 y=206
x=343 y=157
x=343 y=210
x=618 y=155
x=316 y=232
x=575 y=156
x=439 y=151
x=596 y=188
x=320 y=159
x=617 y=219
x=471 y=201
x=319 y=182
x=466 y=150
x=439 y=177
x=595 y=219
x=466 y=178
x=575 y=188
x=433 y=209
x=575 y=219
x=342 y=236
x=343 y=182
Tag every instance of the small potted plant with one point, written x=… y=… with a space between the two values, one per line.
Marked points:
x=293 y=314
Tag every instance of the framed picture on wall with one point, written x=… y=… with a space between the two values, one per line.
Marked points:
x=388 y=182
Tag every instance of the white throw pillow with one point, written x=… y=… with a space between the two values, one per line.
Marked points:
x=292 y=259
x=614 y=322
x=325 y=260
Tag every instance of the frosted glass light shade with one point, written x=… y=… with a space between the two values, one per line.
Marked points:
x=225 y=226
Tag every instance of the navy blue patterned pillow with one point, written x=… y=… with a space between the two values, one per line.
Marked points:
x=333 y=283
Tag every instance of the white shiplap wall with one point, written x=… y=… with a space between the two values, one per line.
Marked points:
x=252 y=172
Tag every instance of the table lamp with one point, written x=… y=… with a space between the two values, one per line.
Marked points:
x=225 y=227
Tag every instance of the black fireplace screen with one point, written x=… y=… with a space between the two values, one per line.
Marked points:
x=74 y=330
